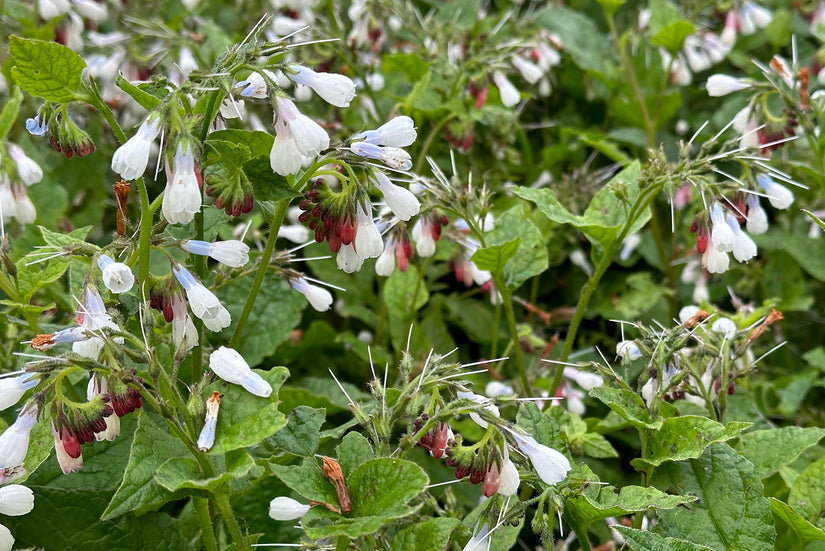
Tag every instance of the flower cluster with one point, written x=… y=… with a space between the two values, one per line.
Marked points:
x=15 y=176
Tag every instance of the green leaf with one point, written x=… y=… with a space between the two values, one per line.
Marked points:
x=685 y=437
x=142 y=97
x=598 y=502
x=495 y=257
x=596 y=445
x=640 y=540
x=267 y=185
x=771 y=449
x=807 y=495
x=246 y=419
x=582 y=39
x=399 y=290
x=9 y=114
x=815 y=218
x=302 y=432
x=380 y=490
x=276 y=313
x=151 y=448
x=259 y=143
x=429 y=534
x=610 y=6
x=802 y=530
x=730 y=514
x=531 y=259
x=668 y=26
x=307 y=480
x=47 y=69
x=353 y=450
x=628 y=405
x=183 y=473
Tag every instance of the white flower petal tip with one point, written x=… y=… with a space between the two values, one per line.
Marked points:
x=286 y=508
x=230 y=366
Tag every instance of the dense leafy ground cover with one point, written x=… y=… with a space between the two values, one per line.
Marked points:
x=425 y=275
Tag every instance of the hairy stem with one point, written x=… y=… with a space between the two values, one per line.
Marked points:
x=222 y=501
x=201 y=505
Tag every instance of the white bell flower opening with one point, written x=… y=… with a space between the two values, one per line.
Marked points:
x=230 y=366
x=182 y=198
x=117 y=276
x=131 y=158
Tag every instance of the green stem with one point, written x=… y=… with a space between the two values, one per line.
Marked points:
x=581 y=537
x=274 y=226
x=201 y=505
x=222 y=501
x=496 y=324
x=511 y=324
x=107 y=114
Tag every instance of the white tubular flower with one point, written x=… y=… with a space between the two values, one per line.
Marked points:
x=310 y=139
x=28 y=170
x=182 y=198
x=757 y=217
x=318 y=297
x=721 y=235
x=230 y=366
x=8 y=204
x=23 y=206
x=479 y=399
x=530 y=72
x=722 y=85
x=368 y=242
x=509 y=94
x=753 y=16
x=286 y=508
x=204 y=304
x=186 y=62
x=579 y=258
x=728 y=36
x=184 y=333
x=725 y=326
x=779 y=196
x=206 y=438
x=393 y=157
x=253 y=87
x=14 y=442
x=232 y=253
x=13 y=388
x=510 y=479
x=422 y=234
x=92 y=317
x=401 y=201
x=285 y=158
x=552 y=466
x=385 y=265
x=688 y=312
x=16 y=500
x=131 y=158
x=348 y=260
x=397 y=132
x=628 y=350
x=52 y=8
x=743 y=246
x=117 y=276
x=337 y=90
x=715 y=261
x=746 y=123
x=98 y=385
x=91 y=10
x=497 y=388
x=587 y=381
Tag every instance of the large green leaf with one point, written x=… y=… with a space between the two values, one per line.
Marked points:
x=581 y=37
x=668 y=26
x=47 y=69
x=429 y=534
x=771 y=449
x=494 y=257
x=531 y=258
x=730 y=514
x=354 y=450
x=302 y=432
x=307 y=480
x=639 y=540
x=628 y=405
x=277 y=311
x=685 y=437
x=598 y=502
x=183 y=473
x=151 y=447
x=245 y=419
x=807 y=495
x=799 y=532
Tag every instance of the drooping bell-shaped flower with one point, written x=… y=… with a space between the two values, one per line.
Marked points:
x=25 y=211
x=310 y=139
x=722 y=85
x=117 y=276
x=509 y=94
x=743 y=246
x=16 y=500
x=757 y=217
x=587 y=381
x=49 y=9
x=232 y=253
x=230 y=366
x=779 y=196
x=348 y=260
x=286 y=508
x=401 y=201
x=530 y=72
x=721 y=235
x=318 y=297
x=13 y=388
x=725 y=326
x=204 y=304
x=67 y=450
x=184 y=333
x=368 y=242
x=182 y=198
x=397 y=132
x=551 y=466
x=14 y=442
x=628 y=350
x=510 y=479
x=131 y=158
x=715 y=261
x=337 y=90
x=27 y=169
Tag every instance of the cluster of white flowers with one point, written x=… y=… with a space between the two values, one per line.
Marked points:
x=14 y=199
